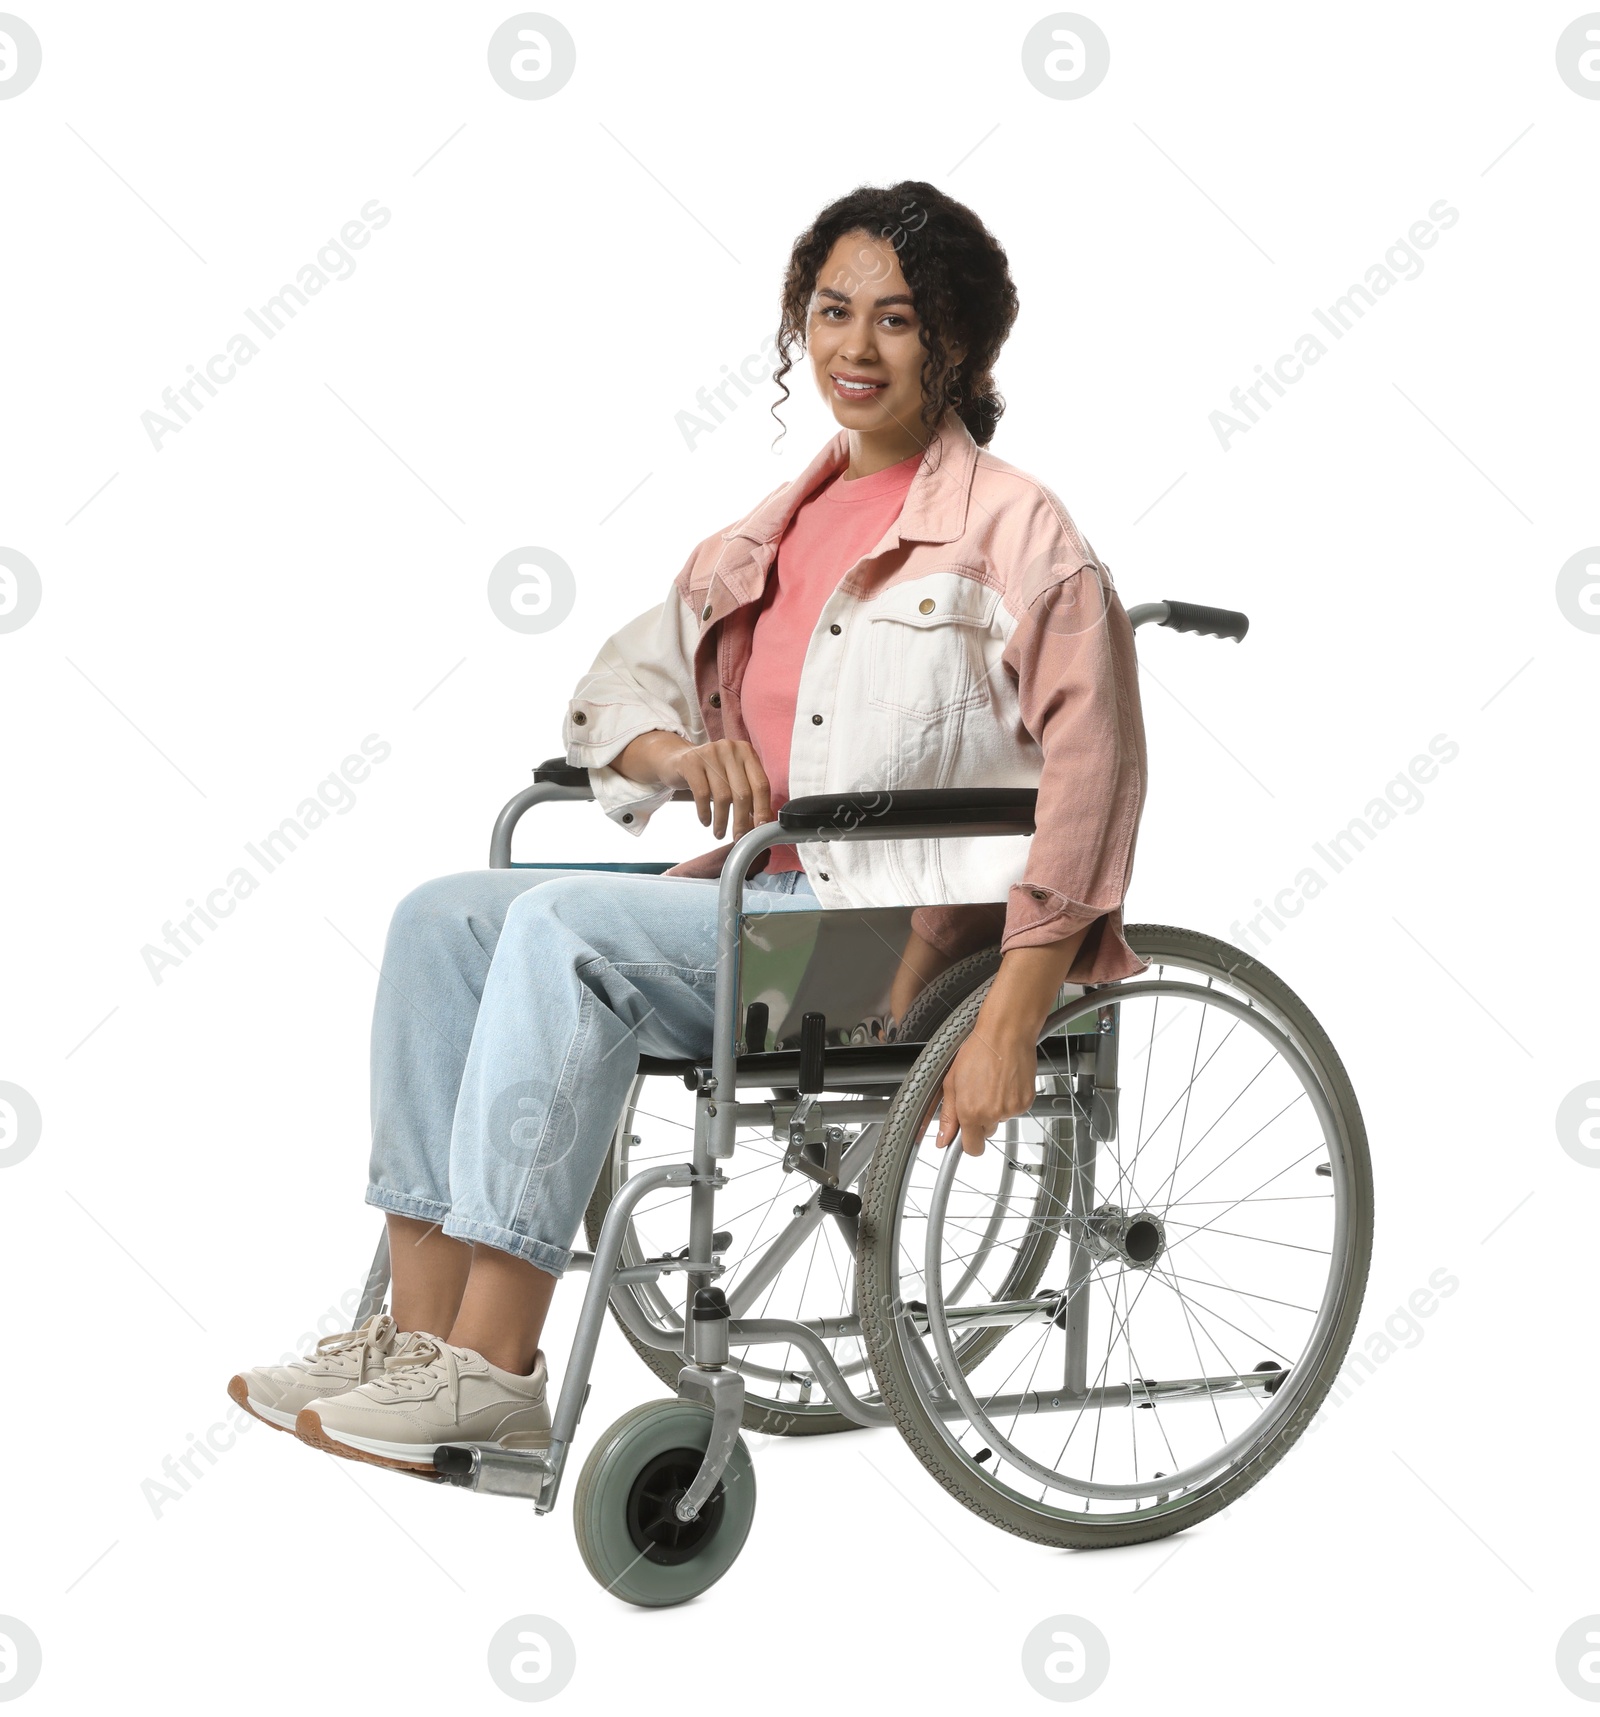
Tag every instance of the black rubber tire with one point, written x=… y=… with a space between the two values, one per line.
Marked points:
x=902 y=1133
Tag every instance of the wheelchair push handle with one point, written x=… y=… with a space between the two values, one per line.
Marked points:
x=1191 y=617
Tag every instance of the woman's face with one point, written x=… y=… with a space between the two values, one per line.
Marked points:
x=863 y=329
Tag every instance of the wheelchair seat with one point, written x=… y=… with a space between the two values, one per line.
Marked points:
x=852 y=1063
x=782 y=1066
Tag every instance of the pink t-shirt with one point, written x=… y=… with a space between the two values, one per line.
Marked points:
x=829 y=533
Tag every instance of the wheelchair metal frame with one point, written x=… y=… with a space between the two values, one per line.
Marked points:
x=536 y=1475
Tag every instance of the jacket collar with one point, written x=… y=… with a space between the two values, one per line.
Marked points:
x=935 y=509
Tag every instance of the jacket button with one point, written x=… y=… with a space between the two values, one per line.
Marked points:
x=836 y=628
x=705 y=613
x=816 y=721
x=578 y=718
x=627 y=816
x=1038 y=894
x=824 y=875
x=716 y=700
x=925 y=606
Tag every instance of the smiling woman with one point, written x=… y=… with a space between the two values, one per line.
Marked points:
x=909 y=612
x=995 y=663
x=878 y=344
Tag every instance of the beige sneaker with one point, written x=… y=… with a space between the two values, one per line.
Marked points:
x=274 y=1394
x=430 y=1393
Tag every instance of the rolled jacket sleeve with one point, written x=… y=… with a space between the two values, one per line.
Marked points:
x=1076 y=674
x=641 y=681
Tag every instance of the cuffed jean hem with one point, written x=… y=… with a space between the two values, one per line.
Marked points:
x=407 y=1204
x=551 y=1259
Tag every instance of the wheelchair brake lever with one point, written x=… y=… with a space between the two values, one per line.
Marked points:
x=797 y=1120
x=813 y=1036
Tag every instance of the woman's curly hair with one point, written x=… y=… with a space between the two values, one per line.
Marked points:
x=960 y=285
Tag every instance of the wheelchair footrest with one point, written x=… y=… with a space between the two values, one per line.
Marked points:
x=498 y=1472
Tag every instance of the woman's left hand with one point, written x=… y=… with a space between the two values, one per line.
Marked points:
x=990 y=1080
x=992 y=1076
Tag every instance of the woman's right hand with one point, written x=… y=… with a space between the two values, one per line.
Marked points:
x=725 y=775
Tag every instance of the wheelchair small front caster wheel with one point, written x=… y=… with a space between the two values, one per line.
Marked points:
x=624 y=1509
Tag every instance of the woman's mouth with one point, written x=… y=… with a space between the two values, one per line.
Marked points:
x=853 y=388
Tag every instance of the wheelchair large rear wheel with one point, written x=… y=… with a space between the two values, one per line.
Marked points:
x=1206 y=1265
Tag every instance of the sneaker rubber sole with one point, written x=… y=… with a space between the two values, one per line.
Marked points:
x=239 y=1391
x=403 y=1457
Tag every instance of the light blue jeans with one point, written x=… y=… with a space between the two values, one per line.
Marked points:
x=512 y=1008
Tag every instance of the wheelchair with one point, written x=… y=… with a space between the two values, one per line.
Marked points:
x=1180 y=1225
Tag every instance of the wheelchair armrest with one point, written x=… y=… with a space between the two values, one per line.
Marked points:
x=555 y=778
x=997 y=809
x=559 y=773
x=917 y=812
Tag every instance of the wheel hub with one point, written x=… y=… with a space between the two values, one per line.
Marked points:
x=653 y=1524
x=1137 y=1237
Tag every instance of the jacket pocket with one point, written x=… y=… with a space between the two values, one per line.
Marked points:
x=926 y=642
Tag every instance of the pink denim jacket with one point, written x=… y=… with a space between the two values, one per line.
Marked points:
x=980 y=644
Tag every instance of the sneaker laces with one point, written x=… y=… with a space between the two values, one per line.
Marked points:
x=415 y=1366
x=379 y=1328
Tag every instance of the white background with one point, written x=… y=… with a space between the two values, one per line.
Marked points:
x=225 y=619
